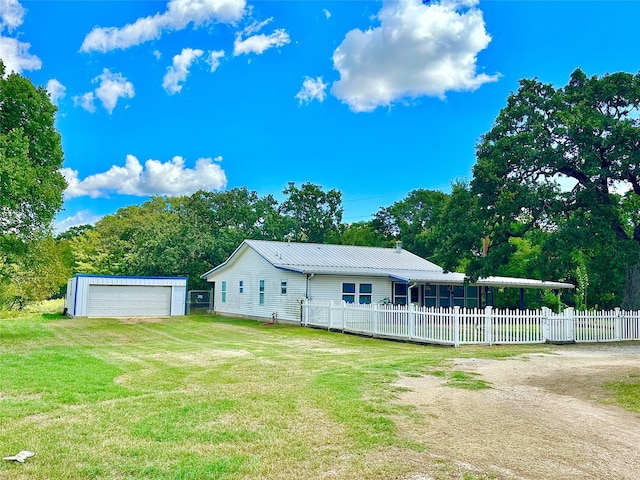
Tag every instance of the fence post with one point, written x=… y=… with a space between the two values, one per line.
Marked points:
x=412 y=321
x=617 y=332
x=488 y=324
x=546 y=324
x=330 y=316
x=344 y=313
x=376 y=312
x=456 y=326
x=569 y=324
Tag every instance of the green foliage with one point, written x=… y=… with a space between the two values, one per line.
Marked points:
x=364 y=234
x=413 y=220
x=35 y=275
x=31 y=187
x=314 y=215
x=188 y=235
x=585 y=135
x=31 y=184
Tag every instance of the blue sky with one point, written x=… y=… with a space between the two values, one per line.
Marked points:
x=374 y=99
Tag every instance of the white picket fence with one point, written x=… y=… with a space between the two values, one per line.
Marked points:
x=458 y=326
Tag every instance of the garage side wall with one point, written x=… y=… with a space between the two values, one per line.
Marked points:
x=79 y=286
x=70 y=300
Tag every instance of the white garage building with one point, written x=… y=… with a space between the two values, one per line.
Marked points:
x=111 y=296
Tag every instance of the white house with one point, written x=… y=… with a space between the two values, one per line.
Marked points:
x=266 y=279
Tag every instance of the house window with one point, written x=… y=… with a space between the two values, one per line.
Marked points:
x=458 y=296
x=415 y=294
x=472 y=297
x=400 y=293
x=445 y=295
x=283 y=287
x=223 y=292
x=241 y=286
x=430 y=296
x=349 y=292
x=364 y=293
x=261 y=296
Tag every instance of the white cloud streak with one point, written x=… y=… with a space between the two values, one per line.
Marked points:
x=14 y=53
x=113 y=86
x=213 y=59
x=179 y=71
x=86 y=101
x=155 y=178
x=11 y=14
x=259 y=43
x=312 y=89
x=16 y=57
x=82 y=217
x=179 y=14
x=56 y=91
x=417 y=50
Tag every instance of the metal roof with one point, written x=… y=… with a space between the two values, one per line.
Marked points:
x=395 y=263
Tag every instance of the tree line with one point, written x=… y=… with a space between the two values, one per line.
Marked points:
x=554 y=196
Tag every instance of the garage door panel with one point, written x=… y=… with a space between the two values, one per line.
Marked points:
x=129 y=301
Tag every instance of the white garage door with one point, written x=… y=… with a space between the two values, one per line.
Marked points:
x=129 y=301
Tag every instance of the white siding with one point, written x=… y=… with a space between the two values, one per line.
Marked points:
x=78 y=290
x=250 y=268
x=329 y=287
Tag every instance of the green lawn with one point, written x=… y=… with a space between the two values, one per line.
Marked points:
x=208 y=397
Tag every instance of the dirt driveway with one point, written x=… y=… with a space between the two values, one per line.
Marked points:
x=543 y=418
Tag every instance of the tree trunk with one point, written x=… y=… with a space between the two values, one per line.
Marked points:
x=631 y=299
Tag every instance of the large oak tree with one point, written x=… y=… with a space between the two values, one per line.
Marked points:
x=558 y=159
x=31 y=184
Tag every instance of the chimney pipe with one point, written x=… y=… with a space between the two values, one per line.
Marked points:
x=398 y=246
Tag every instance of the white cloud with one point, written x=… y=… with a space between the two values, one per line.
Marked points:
x=213 y=61
x=179 y=14
x=16 y=57
x=113 y=86
x=83 y=217
x=255 y=26
x=157 y=54
x=259 y=43
x=155 y=178
x=179 y=71
x=312 y=90
x=418 y=50
x=11 y=14
x=13 y=53
x=85 y=101
x=327 y=13
x=56 y=91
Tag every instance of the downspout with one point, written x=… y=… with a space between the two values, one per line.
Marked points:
x=309 y=277
x=415 y=284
